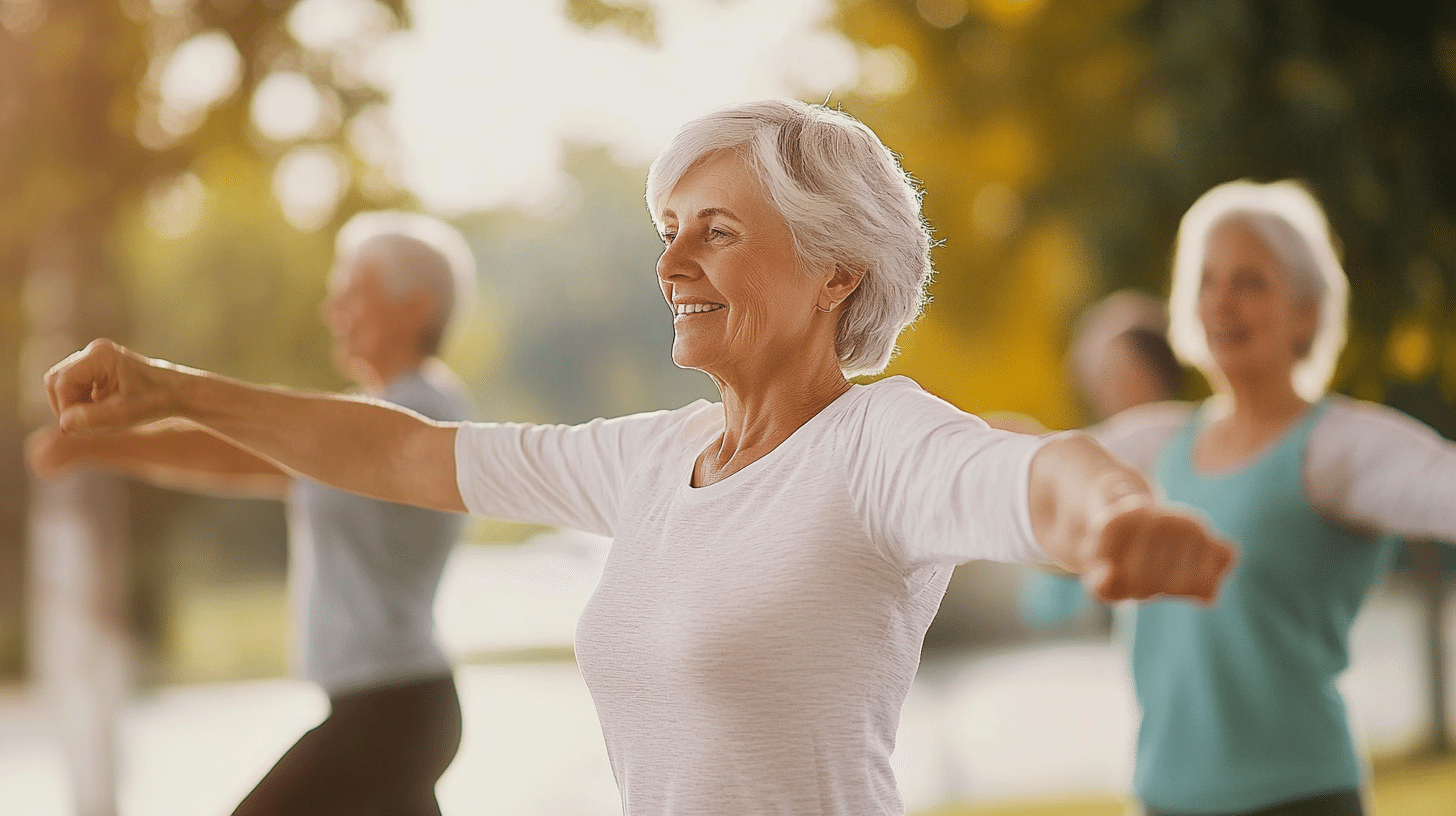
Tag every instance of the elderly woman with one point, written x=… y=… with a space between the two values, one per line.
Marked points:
x=777 y=556
x=363 y=604
x=1240 y=713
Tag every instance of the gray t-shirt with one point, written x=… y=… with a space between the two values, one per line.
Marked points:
x=364 y=572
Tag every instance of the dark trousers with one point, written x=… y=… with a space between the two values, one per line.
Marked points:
x=1334 y=803
x=379 y=753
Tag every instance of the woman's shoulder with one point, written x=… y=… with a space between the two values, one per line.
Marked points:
x=901 y=393
x=1348 y=421
x=699 y=416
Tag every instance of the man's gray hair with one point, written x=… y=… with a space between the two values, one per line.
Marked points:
x=1292 y=224
x=846 y=200
x=411 y=252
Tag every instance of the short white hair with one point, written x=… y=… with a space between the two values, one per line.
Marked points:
x=846 y=200
x=411 y=252
x=1292 y=224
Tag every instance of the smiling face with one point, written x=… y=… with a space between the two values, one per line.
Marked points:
x=741 y=302
x=1256 y=324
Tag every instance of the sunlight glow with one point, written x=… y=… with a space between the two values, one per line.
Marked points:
x=287 y=106
x=333 y=25
x=308 y=182
x=175 y=206
x=200 y=73
x=484 y=94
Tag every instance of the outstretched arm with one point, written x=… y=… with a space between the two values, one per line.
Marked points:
x=355 y=444
x=1375 y=468
x=192 y=460
x=1097 y=517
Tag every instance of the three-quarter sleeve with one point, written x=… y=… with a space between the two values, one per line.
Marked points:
x=1379 y=469
x=562 y=475
x=936 y=485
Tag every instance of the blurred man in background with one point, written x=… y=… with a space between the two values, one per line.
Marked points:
x=363 y=572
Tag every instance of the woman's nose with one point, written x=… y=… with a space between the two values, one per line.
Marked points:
x=674 y=263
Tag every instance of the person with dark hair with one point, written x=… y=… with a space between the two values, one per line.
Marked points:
x=777 y=556
x=1152 y=352
x=1119 y=359
x=364 y=572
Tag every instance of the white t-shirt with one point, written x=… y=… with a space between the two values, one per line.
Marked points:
x=1367 y=465
x=751 y=643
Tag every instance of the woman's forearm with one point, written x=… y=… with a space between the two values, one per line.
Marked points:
x=354 y=444
x=1096 y=516
x=191 y=460
x=1074 y=482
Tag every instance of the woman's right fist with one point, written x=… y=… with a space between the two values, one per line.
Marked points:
x=105 y=387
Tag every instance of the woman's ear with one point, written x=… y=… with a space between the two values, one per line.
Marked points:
x=838 y=286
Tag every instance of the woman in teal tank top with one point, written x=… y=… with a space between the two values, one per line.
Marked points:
x=1240 y=713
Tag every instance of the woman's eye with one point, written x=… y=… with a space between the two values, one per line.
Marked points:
x=714 y=232
x=668 y=236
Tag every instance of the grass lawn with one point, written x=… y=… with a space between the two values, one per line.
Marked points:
x=1423 y=786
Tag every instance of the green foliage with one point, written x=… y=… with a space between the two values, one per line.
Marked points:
x=1059 y=144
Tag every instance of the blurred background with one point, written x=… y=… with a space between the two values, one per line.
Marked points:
x=172 y=172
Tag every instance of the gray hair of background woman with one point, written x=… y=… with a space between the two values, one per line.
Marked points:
x=846 y=200
x=410 y=252
x=1292 y=224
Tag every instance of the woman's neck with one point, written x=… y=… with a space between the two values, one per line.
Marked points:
x=375 y=376
x=1255 y=402
x=1249 y=416
x=759 y=413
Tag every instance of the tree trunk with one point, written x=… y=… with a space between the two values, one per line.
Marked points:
x=1433 y=584
x=79 y=626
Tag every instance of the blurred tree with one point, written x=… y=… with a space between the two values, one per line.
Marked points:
x=583 y=331
x=108 y=108
x=1059 y=144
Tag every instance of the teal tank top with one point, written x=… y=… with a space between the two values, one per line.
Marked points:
x=1239 y=705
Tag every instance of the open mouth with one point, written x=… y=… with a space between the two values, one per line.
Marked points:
x=685 y=309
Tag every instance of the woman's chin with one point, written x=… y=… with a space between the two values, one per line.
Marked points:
x=683 y=357
x=1246 y=366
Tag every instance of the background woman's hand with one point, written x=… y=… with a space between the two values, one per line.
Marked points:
x=49 y=453
x=105 y=387
x=1136 y=550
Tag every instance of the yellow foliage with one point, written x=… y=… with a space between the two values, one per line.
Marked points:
x=1005 y=149
x=1008 y=12
x=1410 y=353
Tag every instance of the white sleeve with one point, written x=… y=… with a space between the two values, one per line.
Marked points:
x=562 y=475
x=936 y=485
x=1376 y=468
x=1138 y=435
